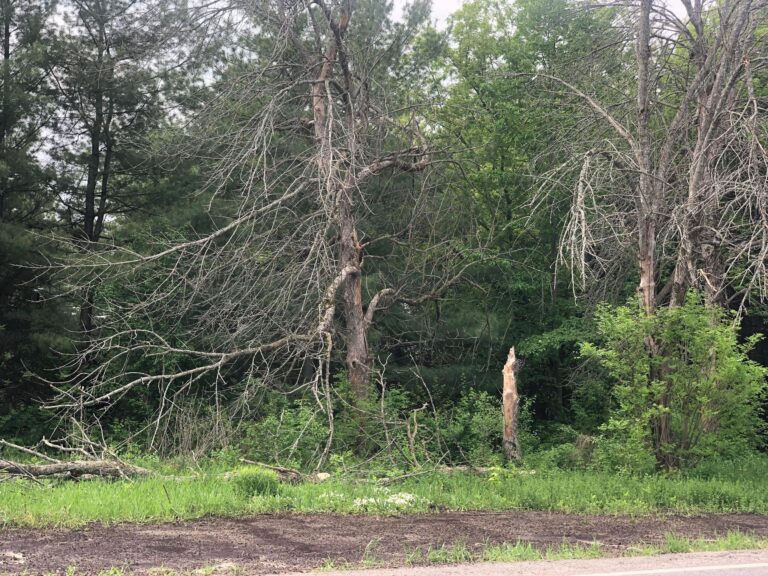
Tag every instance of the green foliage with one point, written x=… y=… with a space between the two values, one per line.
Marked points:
x=255 y=481
x=396 y=431
x=576 y=455
x=624 y=448
x=25 y=424
x=690 y=402
x=288 y=432
x=472 y=429
x=684 y=386
x=66 y=503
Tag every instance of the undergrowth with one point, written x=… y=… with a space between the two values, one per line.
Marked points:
x=247 y=491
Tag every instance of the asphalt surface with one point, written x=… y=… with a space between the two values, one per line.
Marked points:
x=746 y=563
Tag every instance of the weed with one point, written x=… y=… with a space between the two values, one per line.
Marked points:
x=369 y=554
x=254 y=481
x=250 y=491
x=525 y=551
x=453 y=554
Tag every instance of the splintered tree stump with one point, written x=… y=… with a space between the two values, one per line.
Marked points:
x=510 y=407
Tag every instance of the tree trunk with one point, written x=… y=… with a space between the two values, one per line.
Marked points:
x=510 y=409
x=94 y=161
x=74 y=469
x=357 y=358
x=648 y=189
x=89 y=233
x=647 y=264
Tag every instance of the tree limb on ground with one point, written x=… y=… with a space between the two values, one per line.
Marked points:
x=74 y=469
x=92 y=466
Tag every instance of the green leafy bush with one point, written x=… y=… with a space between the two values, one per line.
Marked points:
x=291 y=433
x=254 y=481
x=575 y=455
x=684 y=389
x=472 y=429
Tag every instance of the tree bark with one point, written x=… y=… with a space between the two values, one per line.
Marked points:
x=510 y=409
x=76 y=468
x=648 y=191
x=357 y=357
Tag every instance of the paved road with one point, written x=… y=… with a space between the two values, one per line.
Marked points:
x=749 y=563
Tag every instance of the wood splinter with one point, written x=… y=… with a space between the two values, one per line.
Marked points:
x=510 y=408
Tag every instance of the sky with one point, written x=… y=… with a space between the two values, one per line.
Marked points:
x=441 y=9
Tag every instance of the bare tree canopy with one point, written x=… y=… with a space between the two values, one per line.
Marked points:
x=320 y=163
x=674 y=169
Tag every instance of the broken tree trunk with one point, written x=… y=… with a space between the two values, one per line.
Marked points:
x=510 y=408
x=74 y=469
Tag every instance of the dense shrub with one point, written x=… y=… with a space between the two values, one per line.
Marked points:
x=389 y=431
x=684 y=388
x=253 y=481
x=472 y=429
x=291 y=433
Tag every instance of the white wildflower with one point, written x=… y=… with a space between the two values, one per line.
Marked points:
x=402 y=499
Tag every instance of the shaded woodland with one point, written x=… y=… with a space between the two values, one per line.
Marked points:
x=309 y=231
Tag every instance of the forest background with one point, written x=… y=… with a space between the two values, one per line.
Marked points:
x=308 y=233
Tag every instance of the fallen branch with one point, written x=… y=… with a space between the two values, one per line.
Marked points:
x=74 y=469
x=479 y=470
x=27 y=450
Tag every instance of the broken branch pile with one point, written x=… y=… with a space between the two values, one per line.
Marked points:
x=92 y=466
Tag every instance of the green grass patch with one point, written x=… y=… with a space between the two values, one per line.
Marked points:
x=70 y=504
x=508 y=552
x=524 y=551
x=677 y=544
x=249 y=491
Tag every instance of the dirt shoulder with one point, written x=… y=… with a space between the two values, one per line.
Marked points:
x=276 y=543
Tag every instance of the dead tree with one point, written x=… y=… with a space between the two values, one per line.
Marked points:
x=294 y=147
x=510 y=408
x=670 y=182
x=672 y=177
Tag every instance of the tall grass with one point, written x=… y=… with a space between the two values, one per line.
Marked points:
x=160 y=499
x=146 y=500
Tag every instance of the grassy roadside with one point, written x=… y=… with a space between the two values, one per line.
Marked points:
x=156 y=499
x=524 y=551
